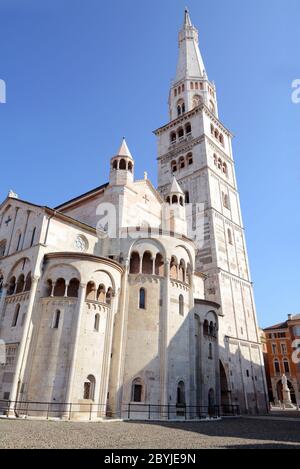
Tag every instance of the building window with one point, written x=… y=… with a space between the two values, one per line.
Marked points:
x=96 y=322
x=229 y=234
x=274 y=349
x=181 y=162
x=181 y=305
x=283 y=349
x=173 y=137
x=180 y=393
x=136 y=390
x=187 y=197
x=32 y=237
x=16 y=315
x=276 y=367
x=286 y=366
x=189 y=159
x=173 y=166
x=210 y=352
x=2 y=247
x=247 y=373
x=142 y=298
x=89 y=388
x=19 y=242
x=225 y=200
x=56 y=319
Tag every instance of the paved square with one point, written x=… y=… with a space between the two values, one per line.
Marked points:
x=228 y=433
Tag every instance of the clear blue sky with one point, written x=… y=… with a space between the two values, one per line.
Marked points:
x=81 y=74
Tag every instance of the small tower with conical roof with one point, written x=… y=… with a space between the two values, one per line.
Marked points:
x=175 y=201
x=122 y=166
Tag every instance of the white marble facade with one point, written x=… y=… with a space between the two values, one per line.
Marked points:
x=156 y=308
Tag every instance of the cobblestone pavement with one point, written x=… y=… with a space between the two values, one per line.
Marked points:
x=228 y=433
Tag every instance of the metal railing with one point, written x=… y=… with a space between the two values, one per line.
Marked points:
x=130 y=411
x=138 y=411
x=66 y=410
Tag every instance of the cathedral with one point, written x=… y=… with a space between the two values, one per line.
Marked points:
x=130 y=300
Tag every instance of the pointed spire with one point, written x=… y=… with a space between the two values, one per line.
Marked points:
x=175 y=187
x=124 y=150
x=187 y=19
x=190 y=62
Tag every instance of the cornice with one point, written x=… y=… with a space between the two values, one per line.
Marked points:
x=85 y=257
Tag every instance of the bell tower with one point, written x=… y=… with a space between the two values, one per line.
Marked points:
x=196 y=148
x=122 y=166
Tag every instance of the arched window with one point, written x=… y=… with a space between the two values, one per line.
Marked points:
x=175 y=92
x=2 y=247
x=181 y=201
x=189 y=158
x=135 y=263
x=122 y=164
x=183 y=108
x=221 y=138
x=180 y=398
x=28 y=282
x=89 y=388
x=276 y=367
x=229 y=234
x=168 y=200
x=211 y=328
x=180 y=133
x=48 y=288
x=174 y=166
x=210 y=351
x=181 y=162
x=219 y=163
x=173 y=268
x=205 y=327
x=225 y=200
x=60 y=287
x=11 y=286
x=91 y=291
x=188 y=274
x=130 y=166
x=20 y=284
x=136 y=390
x=32 y=236
x=181 y=305
x=159 y=265
x=174 y=199
x=73 y=288
x=187 y=197
x=115 y=164
x=147 y=263
x=188 y=128
x=181 y=271
x=173 y=137
x=286 y=366
x=101 y=294
x=197 y=100
x=196 y=86
x=215 y=160
x=212 y=129
x=56 y=319
x=109 y=295
x=96 y=322
x=16 y=316
x=212 y=107
x=224 y=168
x=19 y=242
x=178 y=110
x=142 y=298
x=192 y=85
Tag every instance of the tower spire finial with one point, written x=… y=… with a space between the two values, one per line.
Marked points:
x=187 y=19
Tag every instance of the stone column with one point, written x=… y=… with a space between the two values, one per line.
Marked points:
x=164 y=339
x=74 y=345
x=23 y=346
x=107 y=351
x=2 y=300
